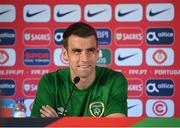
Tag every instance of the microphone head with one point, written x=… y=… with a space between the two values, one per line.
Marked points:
x=76 y=79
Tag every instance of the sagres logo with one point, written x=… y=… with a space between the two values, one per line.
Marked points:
x=7 y=13
x=160 y=108
x=96 y=109
x=104 y=36
x=58 y=36
x=160 y=12
x=104 y=57
x=98 y=12
x=67 y=13
x=160 y=36
x=30 y=86
x=34 y=57
x=36 y=13
x=37 y=36
x=159 y=56
x=7 y=36
x=7 y=57
x=128 y=12
x=59 y=58
x=135 y=107
x=135 y=87
x=128 y=36
x=7 y=87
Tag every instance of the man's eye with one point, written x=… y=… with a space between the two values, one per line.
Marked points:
x=76 y=51
x=92 y=50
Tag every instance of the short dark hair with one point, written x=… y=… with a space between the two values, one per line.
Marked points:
x=79 y=29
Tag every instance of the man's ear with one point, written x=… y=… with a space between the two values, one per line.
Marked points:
x=65 y=53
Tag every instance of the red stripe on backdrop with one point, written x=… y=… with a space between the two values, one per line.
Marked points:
x=95 y=122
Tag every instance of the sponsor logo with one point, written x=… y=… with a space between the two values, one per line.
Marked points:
x=160 y=108
x=98 y=13
x=58 y=36
x=159 y=56
x=104 y=36
x=128 y=36
x=34 y=57
x=135 y=87
x=67 y=13
x=160 y=87
x=160 y=36
x=7 y=57
x=59 y=58
x=104 y=57
x=7 y=87
x=7 y=13
x=34 y=36
x=7 y=36
x=36 y=13
x=30 y=87
x=128 y=12
x=128 y=56
x=96 y=109
x=135 y=108
x=160 y=12
x=29 y=104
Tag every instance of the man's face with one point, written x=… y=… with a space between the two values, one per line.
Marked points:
x=82 y=54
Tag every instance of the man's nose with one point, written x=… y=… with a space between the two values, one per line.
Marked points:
x=84 y=56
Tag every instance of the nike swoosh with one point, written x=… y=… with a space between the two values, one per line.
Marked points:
x=63 y=14
x=33 y=14
x=132 y=106
x=156 y=13
x=96 y=13
x=4 y=12
x=120 y=14
x=123 y=58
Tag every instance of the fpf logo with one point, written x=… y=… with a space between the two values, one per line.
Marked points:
x=159 y=56
x=160 y=108
x=7 y=57
x=59 y=58
x=35 y=36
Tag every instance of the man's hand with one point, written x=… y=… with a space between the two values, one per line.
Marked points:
x=47 y=111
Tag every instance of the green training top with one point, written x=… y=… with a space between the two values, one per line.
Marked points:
x=106 y=95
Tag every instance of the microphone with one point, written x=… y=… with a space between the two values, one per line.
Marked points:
x=76 y=80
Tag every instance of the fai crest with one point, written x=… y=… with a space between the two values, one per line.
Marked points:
x=96 y=109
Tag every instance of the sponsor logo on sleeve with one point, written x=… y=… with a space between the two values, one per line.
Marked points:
x=7 y=57
x=159 y=56
x=104 y=36
x=37 y=36
x=58 y=36
x=160 y=12
x=159 y=108
x=160 y=36
x=59 y=59
x=135 y=87
x=7 y=13
x=128 y=12
x=36 y=13
x=104 y=58
x=160 y=87
x=7 y=87
x=98 y=13
x=128 y=56
x=135 y=107
x=128 y=36
x=7 y=36
x=35 y=57
x=67 y=13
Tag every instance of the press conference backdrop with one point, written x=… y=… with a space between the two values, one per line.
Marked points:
x=138 y=38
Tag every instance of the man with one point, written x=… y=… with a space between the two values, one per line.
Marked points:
x=83 y=89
